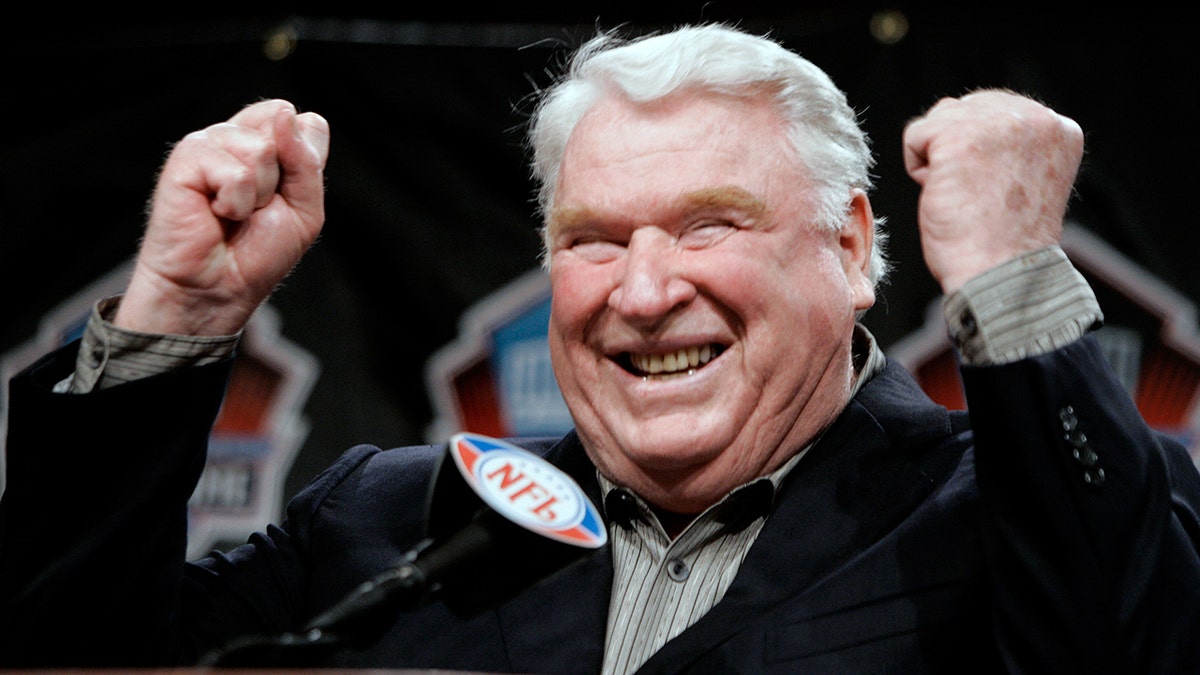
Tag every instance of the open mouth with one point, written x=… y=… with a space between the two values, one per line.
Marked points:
x=679 y=361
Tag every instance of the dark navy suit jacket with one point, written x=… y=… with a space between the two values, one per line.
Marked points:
x=1048 y=531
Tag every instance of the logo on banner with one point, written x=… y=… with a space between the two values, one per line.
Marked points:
x=495 y=378
x=1150 y=336
x=528 y=490
x=258 y=431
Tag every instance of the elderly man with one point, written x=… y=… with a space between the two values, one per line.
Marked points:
x=779 y=497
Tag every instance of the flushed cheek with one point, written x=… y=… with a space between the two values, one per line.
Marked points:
x=579 y=295
x=571 y=359
x=574 y=308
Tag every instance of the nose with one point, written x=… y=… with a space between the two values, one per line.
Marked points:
x=651 y=282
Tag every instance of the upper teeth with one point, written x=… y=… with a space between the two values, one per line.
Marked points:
x=674 y=362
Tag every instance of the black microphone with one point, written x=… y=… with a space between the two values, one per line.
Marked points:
x=500 y=519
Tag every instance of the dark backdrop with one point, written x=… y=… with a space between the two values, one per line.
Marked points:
x=429 y=206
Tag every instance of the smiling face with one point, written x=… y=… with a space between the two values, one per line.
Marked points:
x=700 y=326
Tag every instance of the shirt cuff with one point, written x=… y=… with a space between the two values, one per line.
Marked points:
x=109 y=355
x=1030 y=305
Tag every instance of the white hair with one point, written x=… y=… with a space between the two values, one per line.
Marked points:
x=823 y=128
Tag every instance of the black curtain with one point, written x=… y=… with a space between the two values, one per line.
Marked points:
x=429 y=203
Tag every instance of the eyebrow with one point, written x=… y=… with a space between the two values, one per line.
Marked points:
x=722 y=198
x=725 y=197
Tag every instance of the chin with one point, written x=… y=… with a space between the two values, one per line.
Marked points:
x=665 y=453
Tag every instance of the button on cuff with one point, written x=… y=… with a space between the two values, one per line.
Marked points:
x=93 y=354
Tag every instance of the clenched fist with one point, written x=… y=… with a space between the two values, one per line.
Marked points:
x=235 y=207
x=996 y=171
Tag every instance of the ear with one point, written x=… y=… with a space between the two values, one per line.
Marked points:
x=856 y=240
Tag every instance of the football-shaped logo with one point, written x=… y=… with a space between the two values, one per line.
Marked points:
x=528 y=490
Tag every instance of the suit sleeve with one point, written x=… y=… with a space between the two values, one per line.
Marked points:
x=93 y=520
x=1090 y=519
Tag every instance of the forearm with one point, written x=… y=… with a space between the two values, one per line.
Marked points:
x=1087 y=509
x=94 y=514
x=1088 y=553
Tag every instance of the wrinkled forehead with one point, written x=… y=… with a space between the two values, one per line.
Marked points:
x=731 y=131
x=616 y=112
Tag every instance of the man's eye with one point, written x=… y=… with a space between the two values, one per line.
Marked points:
x=596 y=250
x=706 y=234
